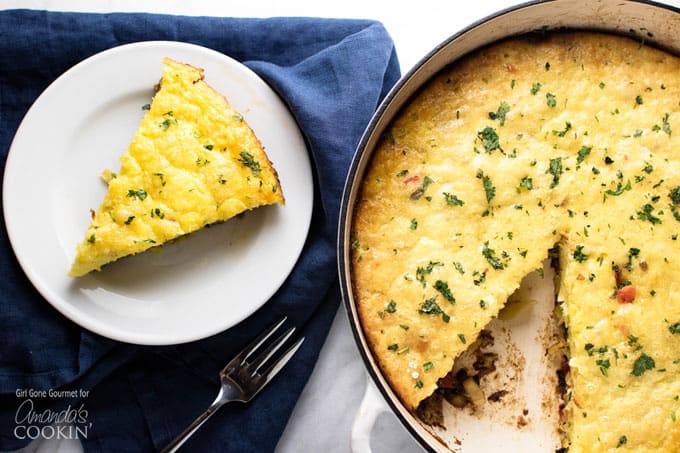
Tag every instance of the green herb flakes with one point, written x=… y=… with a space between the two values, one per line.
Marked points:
x=526 y=183
x=642 y=364
x=579 y=255
x=583 y=153
x=249 y=161
x=443 y=288
x=139 y=193
x=489 y=188
x=452 y=200
x=551 y=100
x=430 y=307
x=645 y=213
x=499 y=114
x=555 y=170
x=623 y=440
x=491 y=257
x=416 y=194
x=490 y=140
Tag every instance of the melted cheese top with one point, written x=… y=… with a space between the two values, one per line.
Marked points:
x=569 y=140
x=192 y=162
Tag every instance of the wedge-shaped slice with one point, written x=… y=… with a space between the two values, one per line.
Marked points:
x=193 y=161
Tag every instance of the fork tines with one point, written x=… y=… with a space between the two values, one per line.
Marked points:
x=259 y=358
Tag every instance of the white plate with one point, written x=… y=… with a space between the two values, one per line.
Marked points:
x=190 y=289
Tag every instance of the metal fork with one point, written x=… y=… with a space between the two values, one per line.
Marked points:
x=244 y=376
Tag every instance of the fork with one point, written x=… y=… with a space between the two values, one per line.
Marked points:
x=242 y=378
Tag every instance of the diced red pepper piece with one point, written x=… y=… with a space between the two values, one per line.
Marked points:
x=626 y=294
x=411 y=179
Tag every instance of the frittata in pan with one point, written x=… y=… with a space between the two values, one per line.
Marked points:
x=192 y=162
x=569 y=140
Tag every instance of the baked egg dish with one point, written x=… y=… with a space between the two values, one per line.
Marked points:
x=563 y=144
x=192 y=162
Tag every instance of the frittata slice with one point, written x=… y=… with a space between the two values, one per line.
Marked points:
x=193 y=161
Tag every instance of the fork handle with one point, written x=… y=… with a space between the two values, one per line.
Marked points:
x=191 y=429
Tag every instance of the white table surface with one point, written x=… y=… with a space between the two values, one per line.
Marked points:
x=322 y=419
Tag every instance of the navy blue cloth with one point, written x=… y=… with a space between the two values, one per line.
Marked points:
x=332 y=74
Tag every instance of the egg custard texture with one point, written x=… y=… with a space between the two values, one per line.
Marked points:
x=569 y=140
x=193 y=161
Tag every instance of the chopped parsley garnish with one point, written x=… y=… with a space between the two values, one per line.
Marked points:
x=642 y=364
x=452 y=200
x=393 y=347
x=491 y=257
x=563 y=132
x=427 y=366
x=421 y=272
x=620 y=188
x=489 y=188
x=479 y=277
x=550 y=100
x=421 y=190
x=430 y=307
x=146 y=107
x=646 y=214
x=526 y=183
x=583 y=153
x=674 y=195
x=414 y=224
x=162 y=178
x=623 y=440
x=666 y=125
x=639 y=100
x=129 y=220
x=90 y=239
x=418 y=384
x=462 y=339
x=604 y=365
x=579 y=255
x=169 y=120
x=489 y=139
x=391 y=307
x=499 y=114
x=443 y=288
x=674 y=328
x=402 y=173
x=535 y=88
x=249 y=161
x=139 y=193
x=555 y=169
x=459 y=267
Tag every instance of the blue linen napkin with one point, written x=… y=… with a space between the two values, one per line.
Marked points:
x=332 y=74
